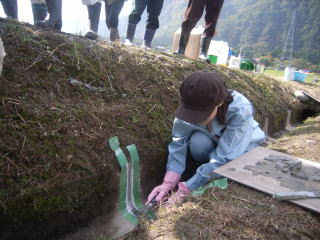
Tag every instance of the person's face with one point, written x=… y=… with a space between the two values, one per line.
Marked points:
x=212 y=115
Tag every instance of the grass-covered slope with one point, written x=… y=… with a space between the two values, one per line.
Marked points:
x=53 y=134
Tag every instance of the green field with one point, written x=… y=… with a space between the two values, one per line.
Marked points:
x=274 y=73
x=311 y=78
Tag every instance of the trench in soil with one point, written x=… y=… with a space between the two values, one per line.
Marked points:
x=100 y=218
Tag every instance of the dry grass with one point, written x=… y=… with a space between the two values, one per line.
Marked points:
x=235 y=213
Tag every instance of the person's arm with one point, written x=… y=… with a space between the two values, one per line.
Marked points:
x=233 y=142
x=235 y=139
x=178 y=147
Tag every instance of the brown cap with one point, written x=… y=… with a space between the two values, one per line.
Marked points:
x=200 y=93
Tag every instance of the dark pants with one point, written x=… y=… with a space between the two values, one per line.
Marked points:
x=195 y=10
x=112 y=13
x=55 y=10
x=39 y=12
x=154 y=8
x=10 y=8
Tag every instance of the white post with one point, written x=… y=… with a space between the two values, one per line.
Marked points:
x=288 y=126
x=2 y=54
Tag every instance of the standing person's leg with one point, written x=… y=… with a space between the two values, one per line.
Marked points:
x=113 y=19
x=54 y=9
x=10 y=8
x=213 y=9
x=134 y=18
x=39 y=10
x=58 y=13
x=107 y=12
x=55 y=15
x=94 y=16
x=154 y=8
x=193 y=13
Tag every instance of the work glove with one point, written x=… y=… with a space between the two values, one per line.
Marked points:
x=179 y=195
x=160 y=192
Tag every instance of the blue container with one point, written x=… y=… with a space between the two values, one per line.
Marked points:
x=298 y=76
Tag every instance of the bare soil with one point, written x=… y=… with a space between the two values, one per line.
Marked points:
x=53 y=151
x=303 y=141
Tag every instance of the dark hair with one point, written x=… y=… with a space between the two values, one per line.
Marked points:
x=222 y=110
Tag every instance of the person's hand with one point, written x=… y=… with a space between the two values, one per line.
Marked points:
x=160 y=192
x=180 y=195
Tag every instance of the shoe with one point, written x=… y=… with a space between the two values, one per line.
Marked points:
x=39 y=11
x=204 y=48
x=114 y=35
x=42 y=24
x=55 y=16
x=131 y=29
x=94 y=16
x=148 y=36
x=91 y=35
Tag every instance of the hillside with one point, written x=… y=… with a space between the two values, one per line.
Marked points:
x=57 y=173
x=262 y=27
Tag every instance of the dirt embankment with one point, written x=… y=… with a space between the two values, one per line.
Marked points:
x=303 y=141
x=55 y=163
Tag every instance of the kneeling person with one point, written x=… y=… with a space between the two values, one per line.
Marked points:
x=215 y=124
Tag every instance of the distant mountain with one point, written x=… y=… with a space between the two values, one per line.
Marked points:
x=260 y=27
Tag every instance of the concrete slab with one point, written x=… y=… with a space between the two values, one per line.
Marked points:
x=250 y=170
x=313 y=96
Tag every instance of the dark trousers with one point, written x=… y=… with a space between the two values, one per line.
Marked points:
x=10 y=8
x=55 y=10
x=195 y=10
x=39 y=12
x=154 y=8
x=112 y=13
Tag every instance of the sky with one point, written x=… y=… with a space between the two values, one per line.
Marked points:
x=74 y=14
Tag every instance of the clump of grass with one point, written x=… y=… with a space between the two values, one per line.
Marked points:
x=235 y=213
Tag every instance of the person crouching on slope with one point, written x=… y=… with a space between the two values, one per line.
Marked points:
x=215 y=125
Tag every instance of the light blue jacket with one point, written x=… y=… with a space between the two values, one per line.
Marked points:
x=239 y=135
